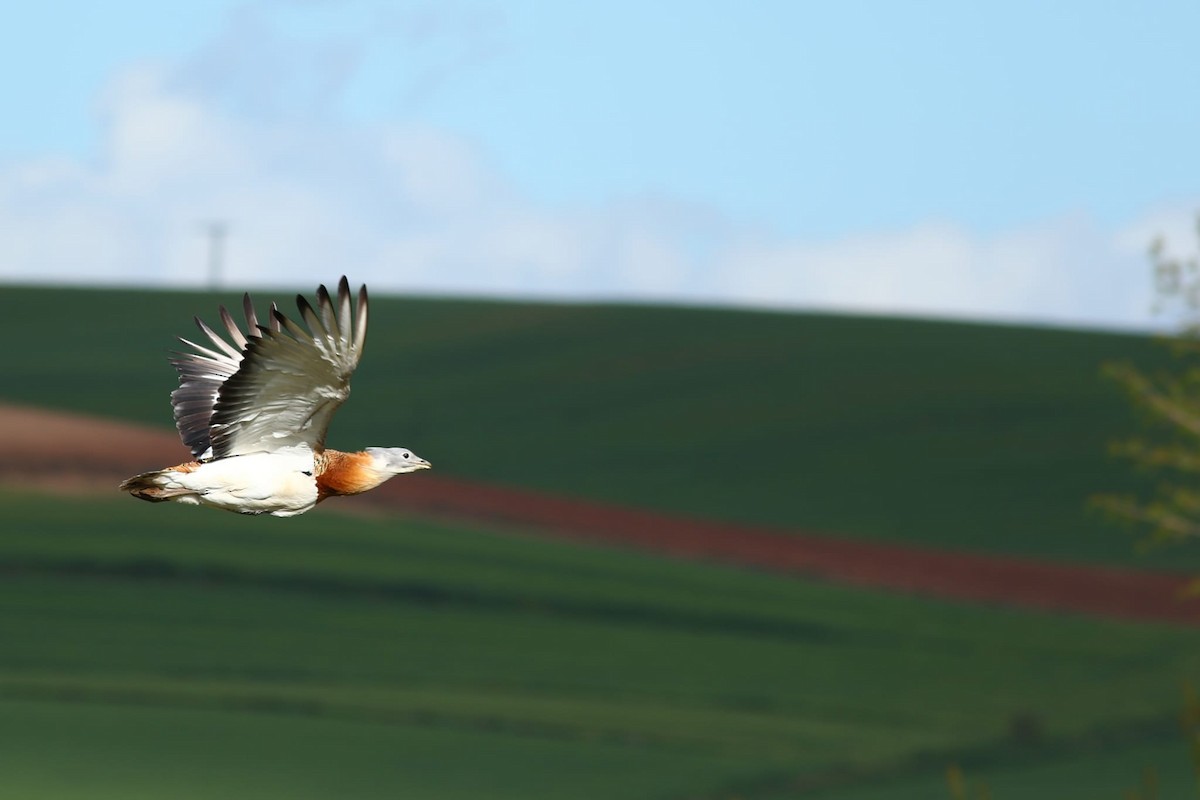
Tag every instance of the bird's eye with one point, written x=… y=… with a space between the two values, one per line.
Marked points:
x=407 y=454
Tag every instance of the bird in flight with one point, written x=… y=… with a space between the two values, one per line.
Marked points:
x=255 y=412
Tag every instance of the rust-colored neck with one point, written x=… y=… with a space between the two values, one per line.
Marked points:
x=339 y=473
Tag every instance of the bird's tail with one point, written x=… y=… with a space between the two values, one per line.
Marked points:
x=155 y=487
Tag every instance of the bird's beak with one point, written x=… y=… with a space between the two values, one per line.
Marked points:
x=423 y=464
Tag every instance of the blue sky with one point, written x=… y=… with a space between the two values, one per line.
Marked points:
x=998 y=160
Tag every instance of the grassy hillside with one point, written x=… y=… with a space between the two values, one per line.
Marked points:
x=174 y=652
x=969 y=436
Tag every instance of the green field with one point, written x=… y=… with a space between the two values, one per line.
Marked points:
x=190 y=654
x=967 y=436
x=160 y=651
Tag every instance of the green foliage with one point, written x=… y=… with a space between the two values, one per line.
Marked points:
x=1168 y=399
x=1177 y=282
x=960 y=789
x=1191 y=729
x=1150 y=785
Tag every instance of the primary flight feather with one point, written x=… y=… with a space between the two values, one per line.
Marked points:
x=255 y=412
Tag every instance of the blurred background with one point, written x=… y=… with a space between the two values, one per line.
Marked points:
x=997 y=160
x=757 y=349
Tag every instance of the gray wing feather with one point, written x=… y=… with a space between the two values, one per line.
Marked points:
x=360 y=323
x=234 y=332
x=291 y=379
x=201 y=375
x=277 y=385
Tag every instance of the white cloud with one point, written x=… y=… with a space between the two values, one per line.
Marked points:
x=412 y=208
x=1061 y=270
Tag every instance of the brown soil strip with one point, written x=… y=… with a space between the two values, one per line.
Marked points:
x=74 y=452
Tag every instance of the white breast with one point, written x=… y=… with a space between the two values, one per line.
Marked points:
x=279 y=483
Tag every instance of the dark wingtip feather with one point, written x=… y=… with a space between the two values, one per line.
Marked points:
x=328 y=317
x=310 y=317
x=360 y=322
x=248 y=310
x=231 y=326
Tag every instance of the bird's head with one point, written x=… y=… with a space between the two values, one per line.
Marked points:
x=396 y=460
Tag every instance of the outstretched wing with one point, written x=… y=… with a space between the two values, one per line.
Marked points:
x=201 y=375
x=280 y=388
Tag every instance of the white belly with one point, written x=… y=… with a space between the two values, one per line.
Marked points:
x=260 y=483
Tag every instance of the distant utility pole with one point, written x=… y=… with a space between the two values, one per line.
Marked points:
x=216 y=231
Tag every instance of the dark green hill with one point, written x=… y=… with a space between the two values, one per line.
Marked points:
x=154 y=652
x=162 y=651
x=968 y=436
